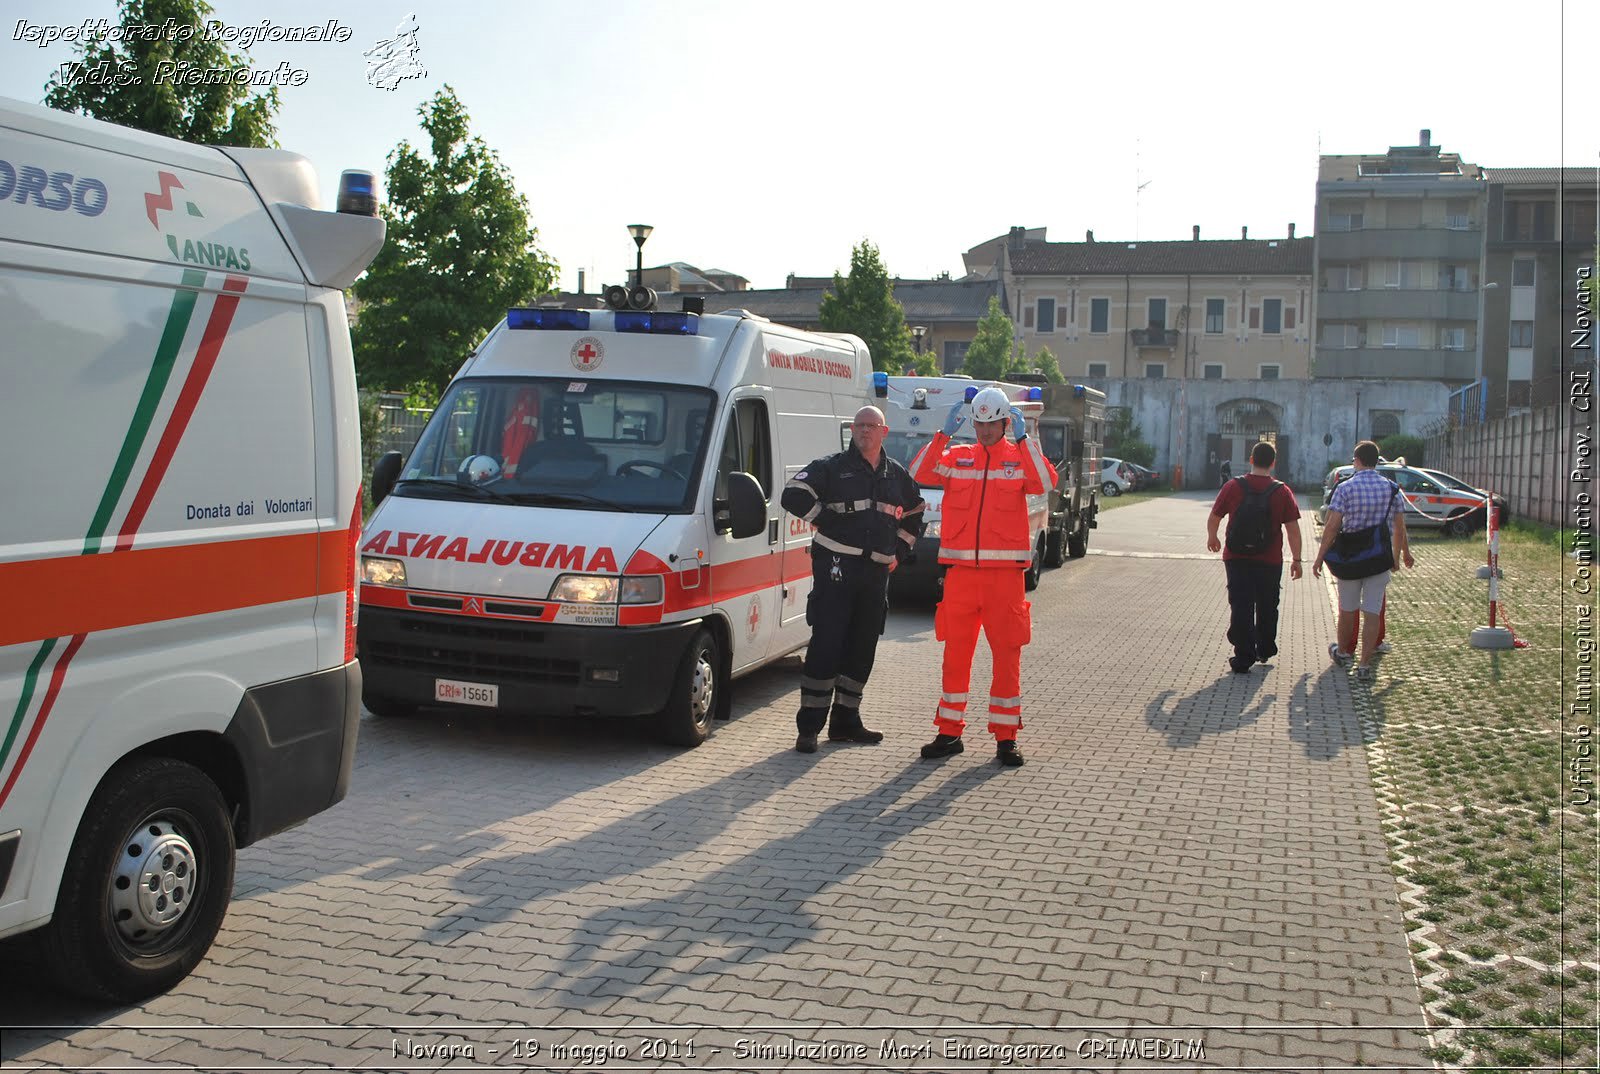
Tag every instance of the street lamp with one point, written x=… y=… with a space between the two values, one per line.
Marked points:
x=640 y=232
x=917 y=332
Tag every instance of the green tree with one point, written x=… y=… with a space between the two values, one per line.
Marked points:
x=991 y=352
x=864 y=305
x=1123 y=440
x=128 y=81
x=459 y=252
x=1046 y=363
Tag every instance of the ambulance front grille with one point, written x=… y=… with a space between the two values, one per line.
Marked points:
x=448 y=647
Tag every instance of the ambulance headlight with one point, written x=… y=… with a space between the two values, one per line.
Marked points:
x=607 y=588
x=931 y=529
x=375 y=571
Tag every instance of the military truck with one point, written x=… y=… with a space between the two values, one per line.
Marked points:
x=1070 y=431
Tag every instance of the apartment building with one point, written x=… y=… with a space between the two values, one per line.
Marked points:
x=1399 y=243
x=1210 y=309
x=1540 y=233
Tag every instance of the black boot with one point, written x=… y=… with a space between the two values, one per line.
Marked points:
x=943 y=746
x=805 y=743
x=1008 y=754
x=858 y=733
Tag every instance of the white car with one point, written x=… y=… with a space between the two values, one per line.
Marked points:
x=1116 y=477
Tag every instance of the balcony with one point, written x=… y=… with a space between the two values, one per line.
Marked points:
x=1154 y=337
x=1397 y=304
x=1376 y=363
x=1445 y=244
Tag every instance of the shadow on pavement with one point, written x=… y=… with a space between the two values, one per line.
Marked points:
x=754 y=906
x=1321 y=717
x=1225 y=705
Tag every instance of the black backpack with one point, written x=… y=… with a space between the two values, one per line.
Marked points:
x=1251 y=530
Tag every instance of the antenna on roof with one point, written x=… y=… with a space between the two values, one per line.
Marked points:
x=1138 y=188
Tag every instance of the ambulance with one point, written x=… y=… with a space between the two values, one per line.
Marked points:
x=589 y=524
x=181 y=506
x=916 y=408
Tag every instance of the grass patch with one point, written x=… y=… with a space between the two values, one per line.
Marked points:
x=1472 y=743
x=1127 y=498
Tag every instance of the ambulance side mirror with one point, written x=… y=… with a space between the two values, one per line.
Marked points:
x=746 y=505
x=384 y=473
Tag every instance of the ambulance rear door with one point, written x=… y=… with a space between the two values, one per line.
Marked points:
x=747 y=572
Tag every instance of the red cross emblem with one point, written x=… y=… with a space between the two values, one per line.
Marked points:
x=754 y=618
x=587 y=354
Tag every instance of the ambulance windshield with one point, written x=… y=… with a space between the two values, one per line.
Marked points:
x=903 y=446
x=588 y=444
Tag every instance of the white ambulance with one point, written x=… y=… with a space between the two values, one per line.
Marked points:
x=181 y=504
x=589 y=524
x=916 y=408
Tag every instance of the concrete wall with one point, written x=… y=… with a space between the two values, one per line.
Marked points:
x=1303 y=411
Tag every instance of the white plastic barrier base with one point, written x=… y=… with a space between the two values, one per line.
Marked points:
x=1491 y=637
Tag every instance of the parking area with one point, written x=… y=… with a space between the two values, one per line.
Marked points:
x=1189 y=872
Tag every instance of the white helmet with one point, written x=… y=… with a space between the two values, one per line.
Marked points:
x=990 y=404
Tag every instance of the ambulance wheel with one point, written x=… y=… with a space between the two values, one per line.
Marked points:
x=146 y=885
x=1030 y=577
x=1054 y=549
x=696 y=692
x=1078 y=542
x=388 y=707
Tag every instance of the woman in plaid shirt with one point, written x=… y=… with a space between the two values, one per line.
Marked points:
x=1362 y=500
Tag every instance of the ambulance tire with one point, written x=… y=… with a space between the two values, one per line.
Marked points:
x=144 y=808
x=1030 y=577
x=696 y=693
x=1055 y=553
x=1078 y=543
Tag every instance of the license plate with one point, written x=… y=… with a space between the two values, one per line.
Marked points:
x=466 y=693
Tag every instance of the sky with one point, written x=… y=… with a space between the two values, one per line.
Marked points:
x=767 y=138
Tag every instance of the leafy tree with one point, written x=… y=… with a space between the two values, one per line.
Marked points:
x=864 y=304
x=1123 y=440
x=1046 y=363
x=459 y=252
x=991 y=353
x=1411 y=448
x=121 y=80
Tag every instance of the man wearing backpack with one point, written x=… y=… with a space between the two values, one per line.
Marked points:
x=1262 y=510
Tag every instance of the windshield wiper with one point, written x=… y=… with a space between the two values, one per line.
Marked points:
x=570 y=497
x=456 y=486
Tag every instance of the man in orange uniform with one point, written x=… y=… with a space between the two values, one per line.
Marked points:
x=985 y=548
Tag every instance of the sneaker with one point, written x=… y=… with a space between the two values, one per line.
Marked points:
x=805 y=744
x=864 y=735
x=942 y=746
x=1383 y=647
x=1340 y=658
x=1008 y=754
x=1364 y=673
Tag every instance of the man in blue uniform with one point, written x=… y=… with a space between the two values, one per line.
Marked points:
x=868 y=515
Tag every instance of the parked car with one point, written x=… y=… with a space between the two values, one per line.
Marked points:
x=1116 y=476
x=1144 y=477
x=1502 y=506
x=1429 y=503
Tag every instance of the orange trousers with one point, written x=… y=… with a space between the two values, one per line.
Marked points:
x=992 y=600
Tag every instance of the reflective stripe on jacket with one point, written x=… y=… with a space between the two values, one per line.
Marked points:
x=858 y=509
x=984 y=519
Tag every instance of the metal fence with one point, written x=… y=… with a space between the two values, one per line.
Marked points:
x=397 y=429
x=1524 y=457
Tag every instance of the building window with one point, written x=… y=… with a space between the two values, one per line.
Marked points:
x=1453 y=339
x=1341 y=336
x=1344 y=216
x=1521 y=334
x=1212 y=371
x=1455 y=214
x=1522 y=272
x=1530 y=221
x=955 y=353
x=1456 y=278
x=1158 y=313
x=1214 y=312
x=1047 y=315
x=1155 y=370
x=1096 y=369
x=1401 y=335
x=1100 y=317
x=1385 y=423
x=1271 y=316
x=1061 y=316
x=1406 y=274
x=1270 y=372
x=1342 y=278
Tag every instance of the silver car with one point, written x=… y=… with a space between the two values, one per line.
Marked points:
x=1429 y=503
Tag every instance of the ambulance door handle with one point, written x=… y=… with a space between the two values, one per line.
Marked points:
x=772 y=531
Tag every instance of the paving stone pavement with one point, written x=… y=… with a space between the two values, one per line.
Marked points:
x=1187 y=874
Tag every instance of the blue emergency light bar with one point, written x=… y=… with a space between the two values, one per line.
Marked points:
x=1035 y=395
x=657 y=321
x=880 y=384
x=1077 y=389
x=570 y=320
